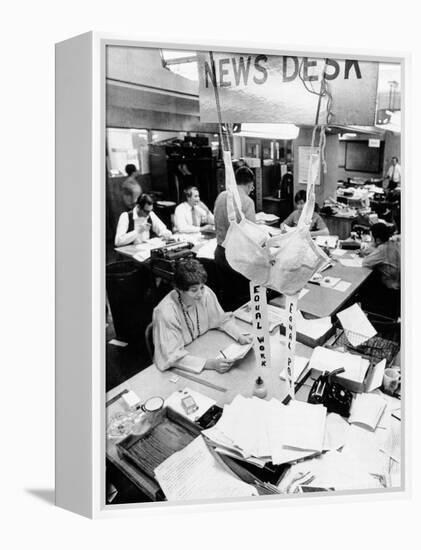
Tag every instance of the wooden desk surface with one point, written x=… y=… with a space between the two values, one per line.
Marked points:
x=323 y=302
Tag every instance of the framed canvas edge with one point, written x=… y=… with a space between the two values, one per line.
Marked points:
x=100 y=41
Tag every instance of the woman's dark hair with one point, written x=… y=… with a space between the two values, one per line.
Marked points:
x=145 y=199
x=130 y=169
x=300 y=196
x=381 y=231
x=244 y=175
x=188 y=273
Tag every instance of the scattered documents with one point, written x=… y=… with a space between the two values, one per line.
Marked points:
x=331 y=470
x=203 y=403
x=367 y=409
x=256 y=428
x=356 y=325
x=194 y=473
x=235 y=351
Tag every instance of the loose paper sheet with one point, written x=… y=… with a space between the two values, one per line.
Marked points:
x=356 y=325
x=194 y=473
x=342 y=286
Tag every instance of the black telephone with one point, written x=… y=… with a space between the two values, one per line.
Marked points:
x=332 y=395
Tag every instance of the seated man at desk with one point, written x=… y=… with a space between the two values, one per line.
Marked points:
x=384 y=257
x=317 y=226
x=140 y=224
x=192 y=215
x=187 y=312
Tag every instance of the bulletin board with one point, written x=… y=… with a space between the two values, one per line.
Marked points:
x=303 y=163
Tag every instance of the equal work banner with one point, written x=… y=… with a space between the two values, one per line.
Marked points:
x=259 y=312
x=270 y=88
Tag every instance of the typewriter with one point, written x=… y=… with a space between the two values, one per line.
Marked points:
x=163 y=260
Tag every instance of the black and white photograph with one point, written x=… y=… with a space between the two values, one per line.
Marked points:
x=253 y=299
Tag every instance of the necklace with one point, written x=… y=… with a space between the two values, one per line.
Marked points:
x=188 y=320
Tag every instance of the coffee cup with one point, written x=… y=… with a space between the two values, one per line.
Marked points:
x=391 y=380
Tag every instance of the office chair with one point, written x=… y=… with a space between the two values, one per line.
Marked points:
x=149 y=340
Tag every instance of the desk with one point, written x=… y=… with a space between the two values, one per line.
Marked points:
x=338 y=225
x=240 y=380
x=323 y=302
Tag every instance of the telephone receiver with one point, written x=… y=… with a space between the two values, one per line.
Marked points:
x=331 y=394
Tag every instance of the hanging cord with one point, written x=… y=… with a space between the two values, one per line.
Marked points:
x=323 y=92
x=224 y=142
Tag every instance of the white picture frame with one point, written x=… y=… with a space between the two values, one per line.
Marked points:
x=80 y=269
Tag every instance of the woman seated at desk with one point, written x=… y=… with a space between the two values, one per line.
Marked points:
x=187 y=312
x=317 y=226
x=140 y=224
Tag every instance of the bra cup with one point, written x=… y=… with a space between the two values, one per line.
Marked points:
x=243 y=242
x=295 y=261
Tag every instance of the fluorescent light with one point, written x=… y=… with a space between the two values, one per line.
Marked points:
x=269 y=131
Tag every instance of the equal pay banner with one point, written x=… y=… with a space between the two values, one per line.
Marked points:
x=270 y=88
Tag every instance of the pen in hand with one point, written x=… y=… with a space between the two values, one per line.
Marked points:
x=223 y=354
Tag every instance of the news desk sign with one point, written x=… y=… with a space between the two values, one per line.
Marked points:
x=268 y=88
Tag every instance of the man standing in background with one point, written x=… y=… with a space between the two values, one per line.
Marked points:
x=235 y=288
x=393 y=175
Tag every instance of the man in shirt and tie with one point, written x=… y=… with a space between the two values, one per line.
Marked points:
x=393 y=175
x=192 y=215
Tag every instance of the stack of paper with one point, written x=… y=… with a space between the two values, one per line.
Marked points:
x=356 y=325
x=355 y=366
x=195 y=473
x=269 y=430
x=367 y=409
